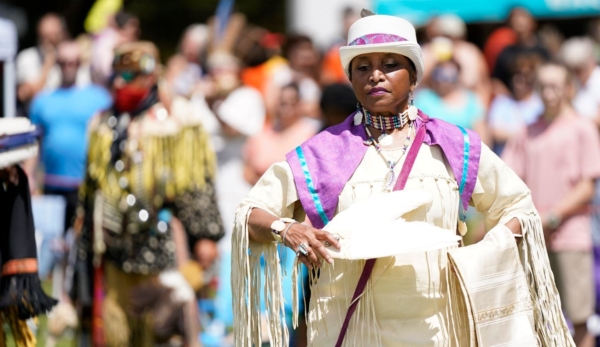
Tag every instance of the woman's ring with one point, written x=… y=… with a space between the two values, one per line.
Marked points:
x=302 y=249
x=328 y=244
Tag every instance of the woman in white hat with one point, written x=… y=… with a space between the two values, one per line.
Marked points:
x=390 y=283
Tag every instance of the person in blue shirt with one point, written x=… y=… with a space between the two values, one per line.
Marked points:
x=448 y=101
x=63 y=116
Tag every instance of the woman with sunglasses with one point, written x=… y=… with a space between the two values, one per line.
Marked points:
x=450 y=102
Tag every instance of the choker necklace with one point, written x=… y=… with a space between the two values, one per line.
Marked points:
x=386 y=123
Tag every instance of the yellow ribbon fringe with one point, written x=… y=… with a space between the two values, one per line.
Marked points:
x=173 y=162
x=23 y=336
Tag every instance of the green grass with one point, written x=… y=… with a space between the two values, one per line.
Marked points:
x=42 y=332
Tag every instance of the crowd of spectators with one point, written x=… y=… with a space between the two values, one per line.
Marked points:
x=260 y=98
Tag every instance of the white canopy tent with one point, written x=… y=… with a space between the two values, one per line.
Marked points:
x=320 y=19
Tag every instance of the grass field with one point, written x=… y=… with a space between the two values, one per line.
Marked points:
x=42 y=332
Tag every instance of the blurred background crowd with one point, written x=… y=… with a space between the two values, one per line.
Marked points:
x=264 y=76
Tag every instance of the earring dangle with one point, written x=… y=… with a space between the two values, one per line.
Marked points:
x=413 y=112
x=359 y=115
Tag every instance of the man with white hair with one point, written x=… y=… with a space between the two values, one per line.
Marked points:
x=193 y=42
x=578 y=54
x=184 y=69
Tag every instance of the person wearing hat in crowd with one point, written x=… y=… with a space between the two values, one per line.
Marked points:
x=146 y=202
x=354 y=181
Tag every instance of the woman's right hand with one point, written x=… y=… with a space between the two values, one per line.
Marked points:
x=314 y=240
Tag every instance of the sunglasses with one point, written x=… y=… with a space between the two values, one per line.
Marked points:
x=128 y=75
x=448 y=75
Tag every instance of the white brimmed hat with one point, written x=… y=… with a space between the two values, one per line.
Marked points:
x=382 y=34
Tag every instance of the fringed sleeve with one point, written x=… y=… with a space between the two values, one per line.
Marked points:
x=20 y=288
x=275 y=193
x=500 y=195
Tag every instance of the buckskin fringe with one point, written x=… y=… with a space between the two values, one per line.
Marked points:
x=550 y=323
x=246 y=283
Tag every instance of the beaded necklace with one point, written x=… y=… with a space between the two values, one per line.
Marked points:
x=386 y=123
x=391 y=175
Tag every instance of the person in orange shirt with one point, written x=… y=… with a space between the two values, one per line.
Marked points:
x=331 y=68
x=258 y=76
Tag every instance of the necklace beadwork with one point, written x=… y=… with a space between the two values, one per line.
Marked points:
x=391 y=175
x=386 y=123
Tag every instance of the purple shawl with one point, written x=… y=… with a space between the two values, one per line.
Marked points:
x=322 y=165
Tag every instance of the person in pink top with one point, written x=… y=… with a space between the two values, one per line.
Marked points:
x=288 y=130
x=558 y=157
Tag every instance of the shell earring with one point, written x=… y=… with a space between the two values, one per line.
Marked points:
x=412 y=109
x=358 y=116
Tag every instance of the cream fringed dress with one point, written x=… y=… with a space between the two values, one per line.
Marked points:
x=406 y=300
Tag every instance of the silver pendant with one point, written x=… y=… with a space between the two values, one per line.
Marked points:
x=389 y=180
x=385 y=140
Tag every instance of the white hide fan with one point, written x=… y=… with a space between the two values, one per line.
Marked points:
x=374 y=228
